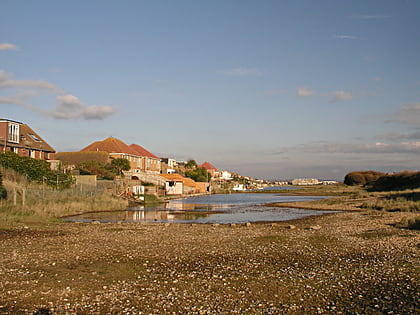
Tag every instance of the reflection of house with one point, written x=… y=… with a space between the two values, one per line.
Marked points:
x=22 y=140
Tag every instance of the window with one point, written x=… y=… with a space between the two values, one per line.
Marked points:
x=34 y=137
x=13 y=133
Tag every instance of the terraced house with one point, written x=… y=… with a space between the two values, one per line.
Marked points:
x=19 y=138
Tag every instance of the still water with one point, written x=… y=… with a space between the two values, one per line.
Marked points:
x=223 y=209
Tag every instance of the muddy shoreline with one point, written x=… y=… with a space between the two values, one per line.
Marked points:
x=348 y=262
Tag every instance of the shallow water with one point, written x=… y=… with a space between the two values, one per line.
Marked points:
x=222 y=209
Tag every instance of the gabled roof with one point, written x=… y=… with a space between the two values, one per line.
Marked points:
x=142 y=151
x=110 y=145
x=208 y=166
x=30 y=138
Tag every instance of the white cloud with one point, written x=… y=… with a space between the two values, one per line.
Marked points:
x=343 y=36
x=408 y=115
x=304 y=92
x=70 y=107
x=242 y=71
x=7 y=46
x=340 y=96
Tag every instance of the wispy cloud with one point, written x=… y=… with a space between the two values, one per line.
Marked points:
x=371 y=17
x=339 y=96
x=276 y=92
x=7 y=81
x=408 y=115
x=343 y=36
x=304 y=92
x=400 y=136
x=241 y=71
x=7 y=46
x=369 y=148
x=68 y=107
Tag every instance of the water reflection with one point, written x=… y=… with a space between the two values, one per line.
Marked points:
x=240 y=208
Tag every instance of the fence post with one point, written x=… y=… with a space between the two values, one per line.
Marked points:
x=14 y=196
x=23 y=196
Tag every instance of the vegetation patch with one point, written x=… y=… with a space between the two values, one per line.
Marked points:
x=377 y=234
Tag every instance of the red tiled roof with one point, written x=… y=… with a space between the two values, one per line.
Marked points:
x=208 y=166
x=142 y=151
x=110 y=145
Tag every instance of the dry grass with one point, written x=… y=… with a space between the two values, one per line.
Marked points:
x=31 y=203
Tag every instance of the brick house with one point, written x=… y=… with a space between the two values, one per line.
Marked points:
x=139 y=158
x=19 y=138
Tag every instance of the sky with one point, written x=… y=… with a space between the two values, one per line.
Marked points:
x=267 y=89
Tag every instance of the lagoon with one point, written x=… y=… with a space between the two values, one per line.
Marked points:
x=215 y=209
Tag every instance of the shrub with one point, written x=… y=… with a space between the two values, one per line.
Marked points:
x=400 y=181
x=362 y=177
x=34 y=170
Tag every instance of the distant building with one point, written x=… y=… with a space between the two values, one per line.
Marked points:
x=211 y=169
x=305 y=182
x=19 y=138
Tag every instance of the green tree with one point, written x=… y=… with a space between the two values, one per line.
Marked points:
x=120 y=165
x=200 y=174
x=191 y=164
x=95 y=168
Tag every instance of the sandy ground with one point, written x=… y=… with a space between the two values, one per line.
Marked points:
x=344 y=263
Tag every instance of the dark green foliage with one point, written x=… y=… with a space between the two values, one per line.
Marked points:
x=361 y=177
x=34 y=170
x=120 y=165
x=191 y=164
x=199 y=174
x=400 y=181
x=95 y=168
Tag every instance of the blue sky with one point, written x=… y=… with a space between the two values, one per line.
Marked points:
x=268 y=89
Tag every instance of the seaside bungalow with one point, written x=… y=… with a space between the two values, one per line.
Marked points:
x=19 y=138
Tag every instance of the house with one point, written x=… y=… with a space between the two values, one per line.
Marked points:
x=168 y=166
x=150 y=162
x=140 y=159
x=116 y=149
x=211 y=169
x=19 y=138
x=189 y=186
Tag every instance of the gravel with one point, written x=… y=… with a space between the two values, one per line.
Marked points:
x=342 y=263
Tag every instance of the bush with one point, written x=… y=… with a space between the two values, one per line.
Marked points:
x=400 y=181
x=362 y=178
x=34 y=170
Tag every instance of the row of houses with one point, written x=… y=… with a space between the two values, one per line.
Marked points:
x=145 y=166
